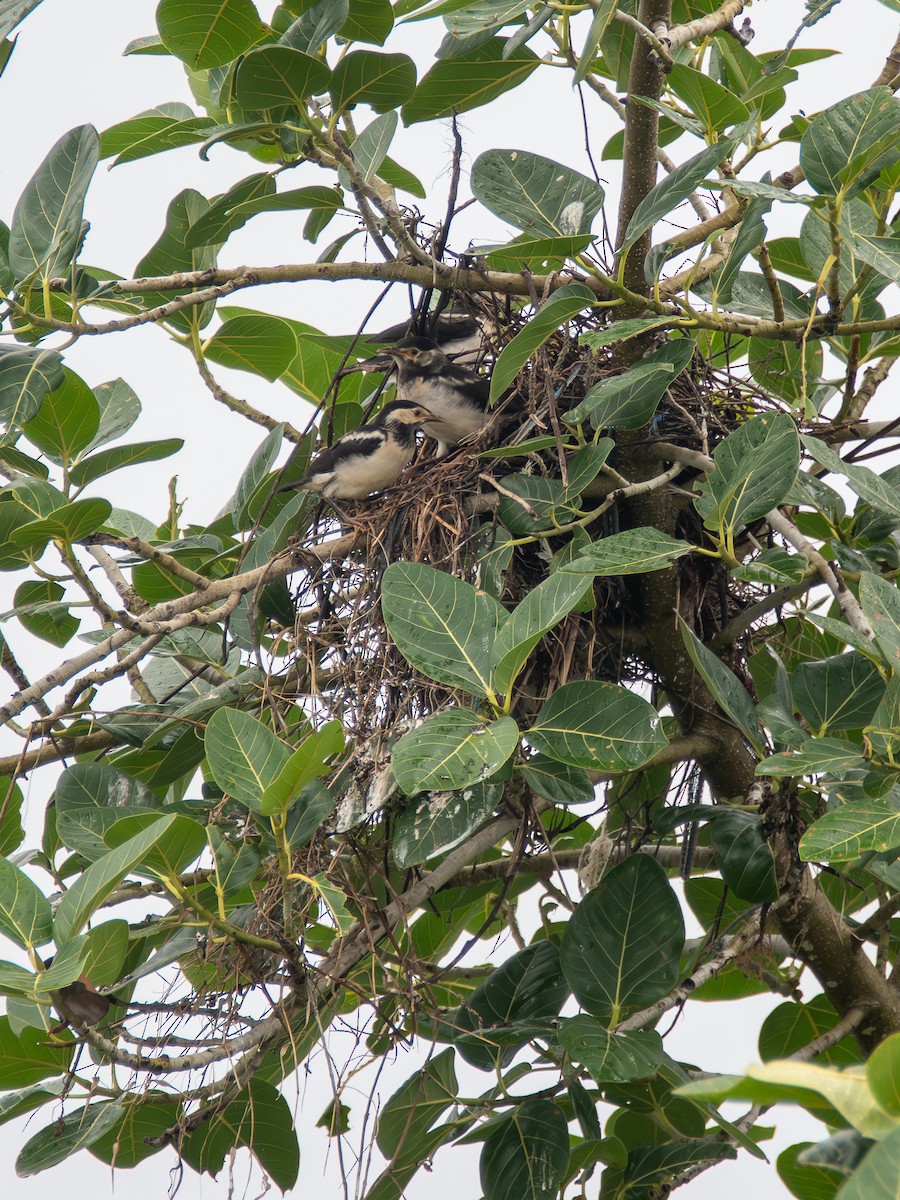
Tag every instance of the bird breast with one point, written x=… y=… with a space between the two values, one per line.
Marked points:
x=358 y=474
x=458 y=416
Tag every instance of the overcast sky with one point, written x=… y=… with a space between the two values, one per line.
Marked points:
x=68 y=69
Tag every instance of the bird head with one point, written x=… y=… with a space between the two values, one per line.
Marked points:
x=385 y=361
x=402 y=412
x=422 y=354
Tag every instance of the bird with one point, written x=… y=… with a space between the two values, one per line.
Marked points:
x=368 y=458
x=81 y=1000
x=456 y=398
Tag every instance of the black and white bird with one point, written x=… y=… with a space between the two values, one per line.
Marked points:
x=456 y=398
x=369 y=458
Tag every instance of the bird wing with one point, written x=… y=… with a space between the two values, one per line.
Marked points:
x=359 y=442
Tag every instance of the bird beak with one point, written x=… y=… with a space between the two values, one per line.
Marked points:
x=379 y=362
x=401 y=352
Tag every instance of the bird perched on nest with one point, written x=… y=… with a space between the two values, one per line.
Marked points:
x=456 y=398
x=369 y=458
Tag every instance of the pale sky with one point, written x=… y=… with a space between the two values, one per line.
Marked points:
x=66 y=70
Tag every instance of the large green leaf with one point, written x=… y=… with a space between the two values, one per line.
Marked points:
x=254 y=342
x=633 y=552
x=675 y=188
x=622 y=945
x=715 y=106
x=468 y=81
x=153 y=132
x=24 y=909
x=756 y=466
x=316 y=24
x=274 y=76
x=525 y=1157
x=611 y=1057
x=254 y=474
x=527 y=990
x=536 y=194
x=435 y=823
x=863 y=481
x=882 y=253
x=451 y=750
x=815 y=756
x=441 y=625
x=858 y=132
x=743 y=855
x=837 y=693
x=29 y=1056
x=26 y=377
x=875 y=1178
x=729 y=692
x=260 y=1119
x=208 y=33
x=571 y=299
x=119 y=409
x=415 y=1107
x=603 y=15
x=599 y=726
x=171 y=253
x=46 y=227
x=370 y=148
x=880 y=602
x=308 y=762
x=791 y=1026
x=853 y=828
x=55 y=1143
x=94 y=885
x=67 y=524
x=245 y=757
x=40 y=606
x=114 y=458
x=556 y=781
x=129 y=1141
x=629 y=400
x=383 y=81
x=543 y=607
x=67 y=422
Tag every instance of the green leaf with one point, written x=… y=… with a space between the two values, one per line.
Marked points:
x=208 y=33
x=153 y=133
x=26 y=377
x=65 y=1137
x=255 y=342
x=126 y=1143
x=260 y=1119
x=816 y=756
x=791 y=1026
x=714 y=105
x=117 y=457
x=369 y=21
x=842 y=134
x=535 y=194
x=673 y=189
x=11 y=832
x=880 y=602
x=38 y=606
x=442 y=626
x=28 y=1057
x=24 y=909
x=245 y=757
x=543 y=607
x=371 y=147
x=551 y=316
x=67 y=524
x=883 y=1074
x=557 y=782
x=452 y=750
x=222 y=217
x=415 y=1107
x=864 y=482
x=603 y=14
x=788 y=371
x=756 y=466
x=837 y=693
x=46 y=227
x=728 y=691
x=171 y=254
x=882 y=253
x=621 y=331
x=316 y=24
x=611 y=1057
x=634 y=552
x=527 y=990
x=599 y=726
x=277 y=75
x=308 y=762
x=67 y=422
x=438 y=822
x=622 y=945
x=119 y=409
x=851 y=829
x=95 y=884
x=629 y=400
x=383 y=81
x=468 y=81
x=525 y=1157
x=464 y=20
x=743 y=855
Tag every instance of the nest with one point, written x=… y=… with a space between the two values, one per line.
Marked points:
x=444 y=513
